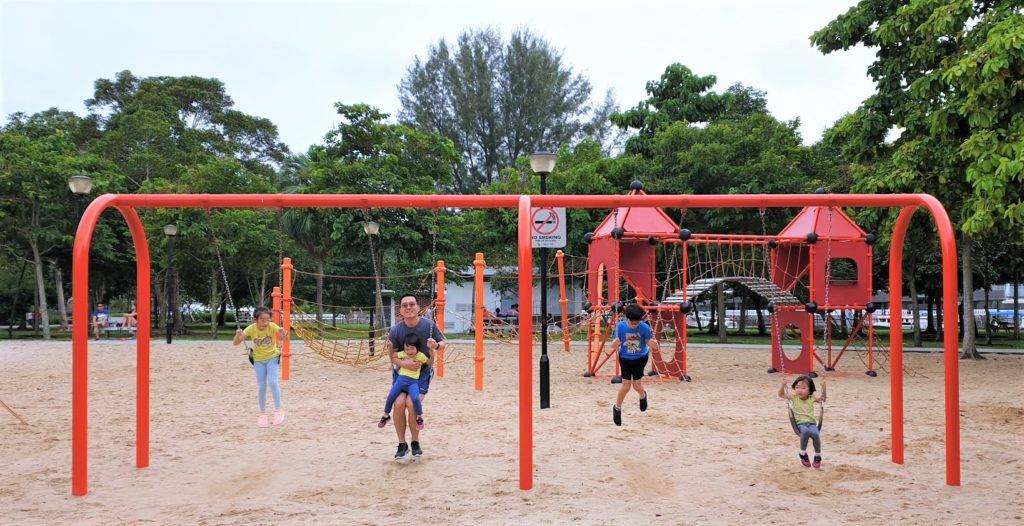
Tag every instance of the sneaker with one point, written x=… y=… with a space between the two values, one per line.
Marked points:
x=616 y=415
x=817 y=462
x=805 y=460
x=383 y=421
x=419 y=422
x=416 y=450
x=278 y=417
x=643 y=402
x=263 y=420
x=403 y=449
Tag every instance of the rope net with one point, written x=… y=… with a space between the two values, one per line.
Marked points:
x=353 y=337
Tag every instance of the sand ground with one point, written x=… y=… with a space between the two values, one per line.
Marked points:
x=717 y=450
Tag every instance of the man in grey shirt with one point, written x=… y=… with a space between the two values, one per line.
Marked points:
x=431 y=339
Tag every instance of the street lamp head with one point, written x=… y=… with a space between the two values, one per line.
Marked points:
x=80 y=184
x=170 y=230
x=371 y=228
x=543 y=162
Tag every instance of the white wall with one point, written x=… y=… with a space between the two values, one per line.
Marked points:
x=458 y=309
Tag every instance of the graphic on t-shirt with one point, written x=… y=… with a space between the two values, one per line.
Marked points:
x=263 y=342
x=632 y=343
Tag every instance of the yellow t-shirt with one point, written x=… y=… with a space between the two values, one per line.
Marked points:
x=264 y=342
x=803 y=410
x=415 y=375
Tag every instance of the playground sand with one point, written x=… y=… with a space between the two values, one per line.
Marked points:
x=717 y=450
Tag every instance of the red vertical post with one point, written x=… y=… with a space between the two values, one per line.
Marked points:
x=286 y=320
x=563 y=299
x=478 y=320
x=439 y=315
x=276 y=304
x=896 y=331
x=525 y=346
x=950 y=347
x=142 y=333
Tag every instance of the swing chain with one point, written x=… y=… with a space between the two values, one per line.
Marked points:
x=220 y=263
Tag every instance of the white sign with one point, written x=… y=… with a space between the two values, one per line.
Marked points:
x=547 y=226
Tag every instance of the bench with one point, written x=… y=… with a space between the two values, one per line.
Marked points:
x=116 y=324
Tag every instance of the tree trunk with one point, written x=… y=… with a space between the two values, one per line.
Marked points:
x=213 y=302
x=696 y=314
x=743 y=313
x=912 y=288
x=222 y=312
x=722 y=338
x=319 y=291
x=44 y=316
x=939 y=324
x=263 y=290
x=761 y=316
x=61 y=304
x=970 y=348
x=712 y=319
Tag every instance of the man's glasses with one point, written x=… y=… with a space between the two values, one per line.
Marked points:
x=410 y=305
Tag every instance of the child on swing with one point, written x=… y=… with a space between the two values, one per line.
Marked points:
x=267 y=338
x=801 y=403
x=407 y=380
x=634 y=341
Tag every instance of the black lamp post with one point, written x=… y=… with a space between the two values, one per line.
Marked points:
x=542 y=164
x=171 y=231
x=80 y=186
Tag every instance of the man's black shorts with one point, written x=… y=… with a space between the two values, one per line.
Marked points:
x=633 y=369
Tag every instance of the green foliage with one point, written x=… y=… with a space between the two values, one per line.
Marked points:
x=948 y=74
x=367 y=154
x=497 y=101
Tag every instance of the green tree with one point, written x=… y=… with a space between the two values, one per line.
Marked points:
x=497 y=101
x=36 y=206
x=948 y=77
x=366 y=153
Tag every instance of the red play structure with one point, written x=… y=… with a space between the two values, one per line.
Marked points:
x=802 y=259
x=127 y=205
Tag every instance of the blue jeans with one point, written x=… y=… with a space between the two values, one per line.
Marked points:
x=268 y=372
x=406 y=385
x=809 y=431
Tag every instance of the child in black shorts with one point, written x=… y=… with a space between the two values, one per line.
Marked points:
x=634 y=340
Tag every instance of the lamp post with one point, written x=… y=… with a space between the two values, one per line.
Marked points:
x=80 y=185
x=542 y=164
x=171 y=231
x=372 y=228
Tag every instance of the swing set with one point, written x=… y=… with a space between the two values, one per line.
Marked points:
x=128 y=205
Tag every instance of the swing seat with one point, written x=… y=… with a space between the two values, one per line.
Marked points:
x=792 y=417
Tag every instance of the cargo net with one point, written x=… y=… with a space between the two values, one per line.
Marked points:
x=351 y=335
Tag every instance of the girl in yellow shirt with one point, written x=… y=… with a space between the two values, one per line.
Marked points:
x=267 y=339
x=802 y=404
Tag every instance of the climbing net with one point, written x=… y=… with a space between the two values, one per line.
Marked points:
x=353 y=335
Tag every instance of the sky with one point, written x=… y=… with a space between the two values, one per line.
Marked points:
x=291 y=61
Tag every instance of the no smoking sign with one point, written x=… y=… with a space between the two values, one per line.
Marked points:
x=547 y=227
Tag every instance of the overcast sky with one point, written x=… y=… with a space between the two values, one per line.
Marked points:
x=290 y=62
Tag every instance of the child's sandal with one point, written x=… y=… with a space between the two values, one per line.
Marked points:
x=383 y=421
